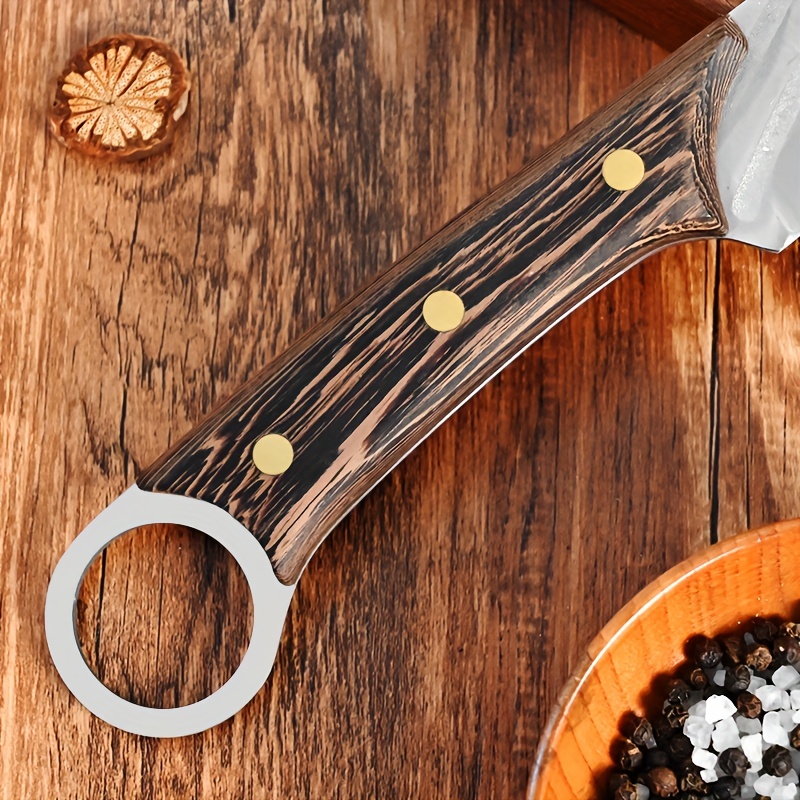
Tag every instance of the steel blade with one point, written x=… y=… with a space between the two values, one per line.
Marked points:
x=758 y=158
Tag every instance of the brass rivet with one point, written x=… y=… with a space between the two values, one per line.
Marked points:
x=273 y=454
x=443 y=311
x=623 y=170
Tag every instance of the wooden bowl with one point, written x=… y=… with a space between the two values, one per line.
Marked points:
x=754 y=574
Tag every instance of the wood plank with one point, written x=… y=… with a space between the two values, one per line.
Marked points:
x=432 y=632
x=758 y=376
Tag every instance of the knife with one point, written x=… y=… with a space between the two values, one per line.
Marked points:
x=703 y=147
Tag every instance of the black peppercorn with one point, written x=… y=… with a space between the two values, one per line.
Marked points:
x=748 y=705
x=679 y=746
x=678 y=691
x=790 y=629
x=656 y=758
x=662 y=729
x=726 y=788
x=733 y=649
x=616 y=779
x=626 y=791
x=758 y=656
x=662 y=782
x=707 y=652
x=692 y=782
x=787 y=650
x=737 y=679
x=643 y=734
x=777 y=761
x=794 y=738
x=630 y=757
x=769 y=673
x=619 y=781
x=675 y=715
x=764 y=630
x=733 y=762
x=698 y=678
x=711 y=691
x=680 y=766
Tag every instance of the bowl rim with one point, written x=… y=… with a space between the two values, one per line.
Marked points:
x=594 y=652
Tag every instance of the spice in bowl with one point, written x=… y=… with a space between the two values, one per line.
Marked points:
x=729 y=725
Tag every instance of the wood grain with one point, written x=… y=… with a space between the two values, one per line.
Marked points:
x=360 y=391
x=711 y=593
x=668 y=22
x=433 y=631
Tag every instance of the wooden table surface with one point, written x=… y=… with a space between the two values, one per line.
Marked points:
x=433 y=630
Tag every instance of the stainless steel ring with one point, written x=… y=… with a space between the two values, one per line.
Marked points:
x=271 y=599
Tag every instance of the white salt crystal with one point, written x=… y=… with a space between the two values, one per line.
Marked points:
x=719 y=707
x=642 y=792
x=796 y=716
x=786 y=677
x=752 y=747
x=726 y=734
x=786 y=702
x=794 y=696
x=699 y=709
x=756 y=683
x=785 y=792
x=704 y=759
x=727 y=724
x=772 y=731
x=770 y=697
x=709 y=775
x=699 y=732
x=719 y=677
x=750 y=777
x=748 y=793
x=791 y=777
x=746 y=725
x=766 y=785
x=787 y=721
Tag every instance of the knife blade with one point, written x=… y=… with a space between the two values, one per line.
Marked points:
x=702 y=147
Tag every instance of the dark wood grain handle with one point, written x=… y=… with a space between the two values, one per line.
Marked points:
x=360 y=391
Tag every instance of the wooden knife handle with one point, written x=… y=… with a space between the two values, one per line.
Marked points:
x=359 y=392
